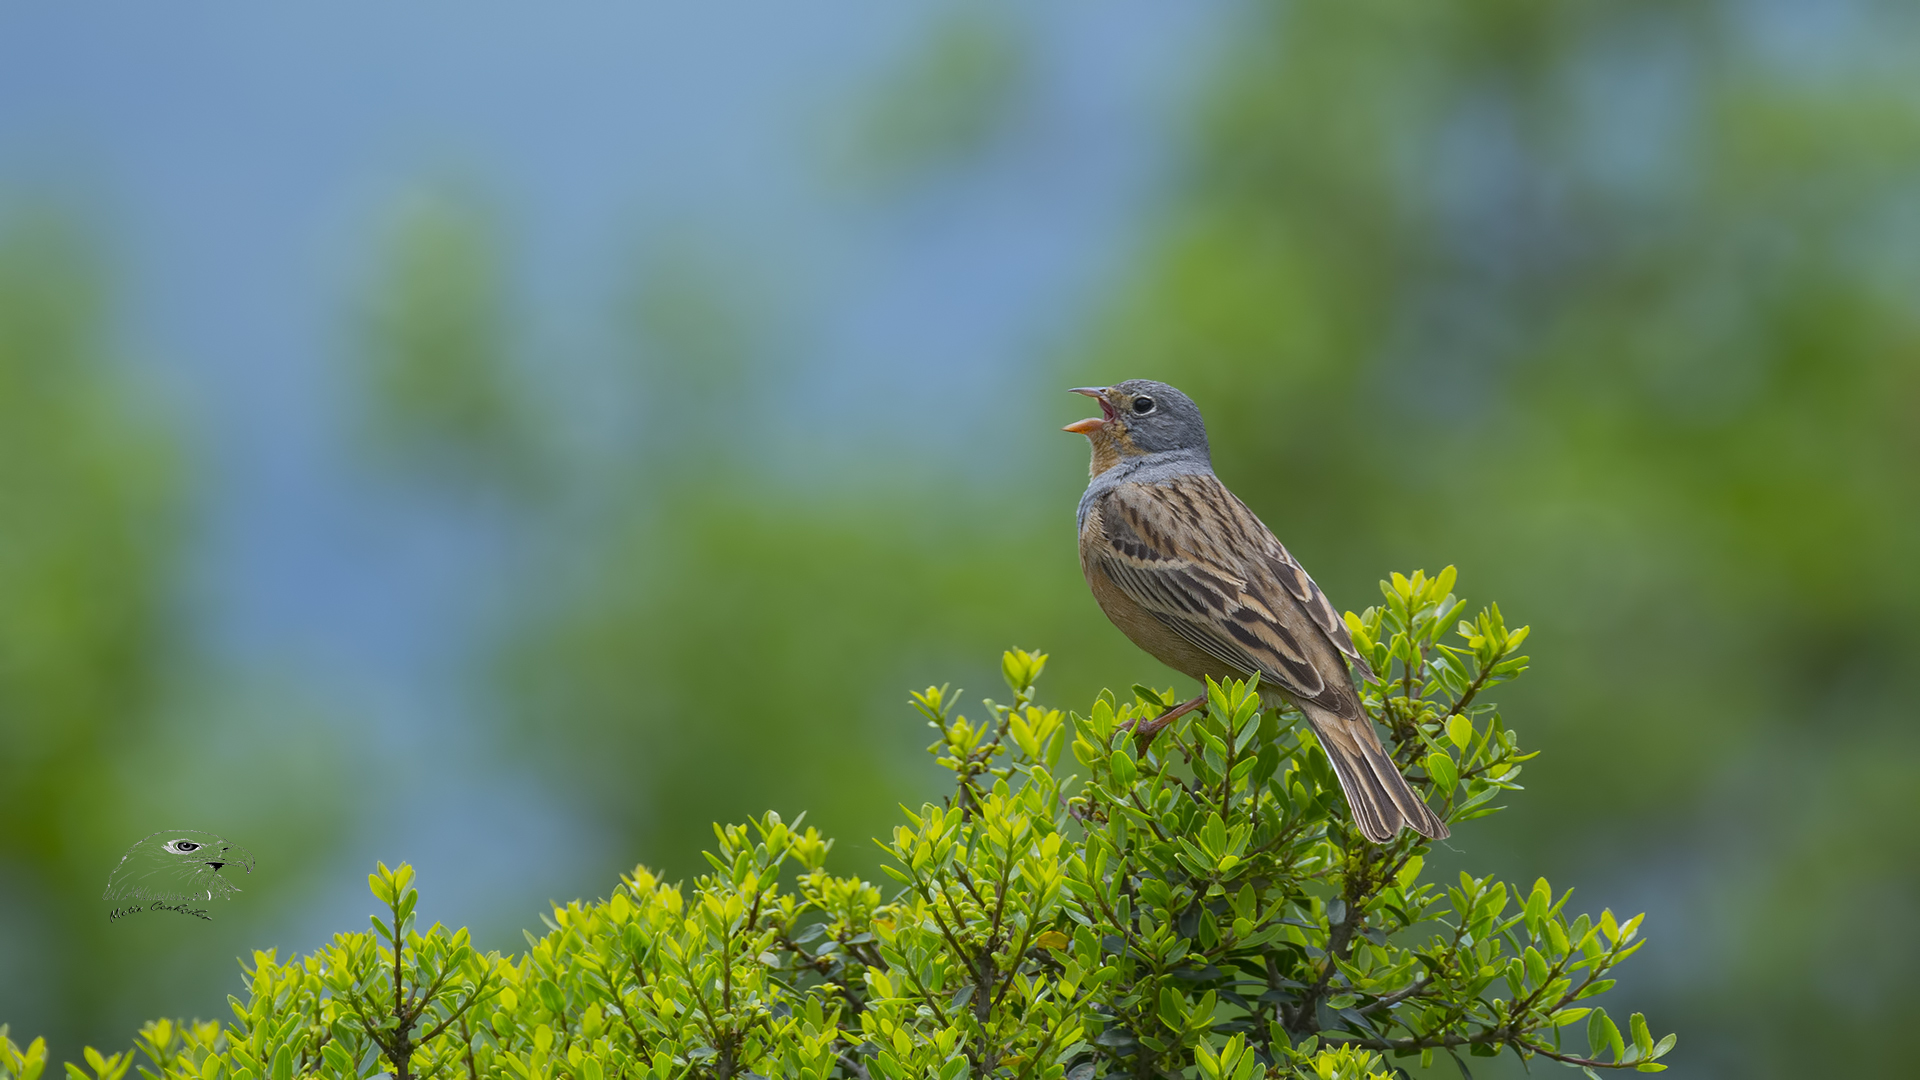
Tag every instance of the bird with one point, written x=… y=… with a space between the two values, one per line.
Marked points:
x=176 y=866
x=1190 y=574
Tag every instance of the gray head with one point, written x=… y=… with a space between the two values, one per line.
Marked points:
x=1142 y=417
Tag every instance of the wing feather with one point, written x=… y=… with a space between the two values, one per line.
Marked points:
x=1203 y=564
x=1290 y=574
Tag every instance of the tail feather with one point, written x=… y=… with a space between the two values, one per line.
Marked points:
x=1414 y=811
x=1381 y=799
x=1373 y=810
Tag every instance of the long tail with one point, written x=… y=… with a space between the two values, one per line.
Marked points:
x=1381 y=800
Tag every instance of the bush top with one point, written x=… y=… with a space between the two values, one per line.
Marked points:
x=1196 y=905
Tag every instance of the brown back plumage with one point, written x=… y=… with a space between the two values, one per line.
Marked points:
x=1189 y=573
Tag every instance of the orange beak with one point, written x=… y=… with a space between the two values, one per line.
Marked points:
x=1092 y=423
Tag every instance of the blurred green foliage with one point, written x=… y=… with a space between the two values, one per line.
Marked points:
x=438 y=348
x=89 y=524
x=950 y=98
x=111 y=723
x=1195 y=903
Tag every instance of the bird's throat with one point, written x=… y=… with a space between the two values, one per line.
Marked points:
x=1105 y=454
x=1110 y=446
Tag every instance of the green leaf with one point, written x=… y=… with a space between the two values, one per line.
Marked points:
x=1171 y=1012
x=1536 y=966
x=1603 y=1034
x=1557 y=937
x=1213 y=836
x=1642 y=1038
x=1410 y=873
x=1460 y=730
x=1538 y=901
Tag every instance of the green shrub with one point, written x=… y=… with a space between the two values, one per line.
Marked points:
x=1196 y=907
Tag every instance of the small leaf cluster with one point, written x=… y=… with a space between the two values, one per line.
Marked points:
x=21 y=1064
x=1427 y=689
x=1100 y=895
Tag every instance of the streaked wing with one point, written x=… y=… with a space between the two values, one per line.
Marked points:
x=1199 y=561
x=1288 y=571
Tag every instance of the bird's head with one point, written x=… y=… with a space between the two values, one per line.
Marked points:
x=1137 y=418
x=176 y=866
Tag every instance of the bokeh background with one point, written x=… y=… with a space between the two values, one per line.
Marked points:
x=509 y=439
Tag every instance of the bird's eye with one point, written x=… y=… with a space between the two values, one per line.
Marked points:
x=181 y=847
x=1142 y=406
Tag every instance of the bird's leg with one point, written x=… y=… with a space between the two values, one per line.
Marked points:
x=1144 y=733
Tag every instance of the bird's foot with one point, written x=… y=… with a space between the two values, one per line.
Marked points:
x=1144 y=733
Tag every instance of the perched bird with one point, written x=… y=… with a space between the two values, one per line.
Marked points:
x=177 y=866
x=1184 y=569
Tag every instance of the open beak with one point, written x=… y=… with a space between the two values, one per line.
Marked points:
x=1092 y=423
